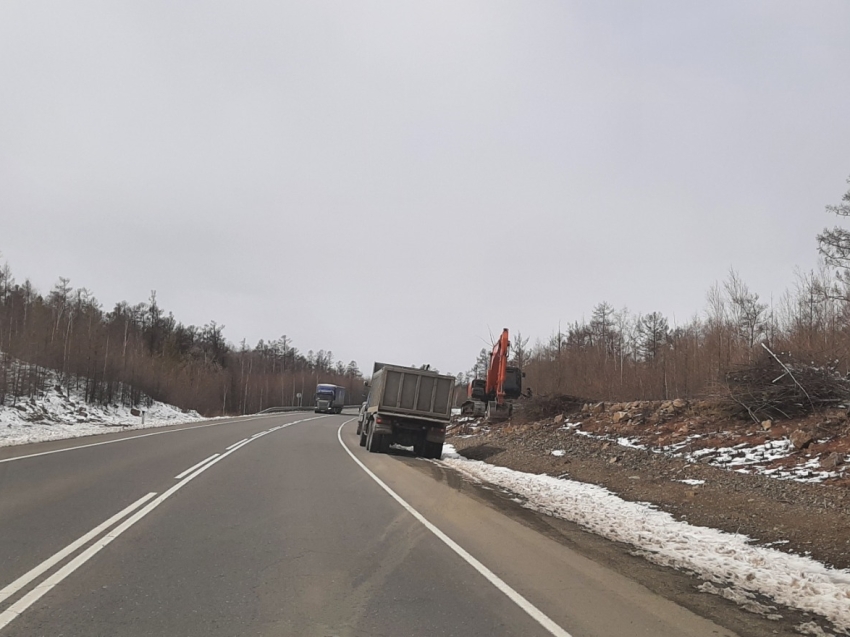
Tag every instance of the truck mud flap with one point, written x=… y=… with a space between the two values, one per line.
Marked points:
x=436 y=435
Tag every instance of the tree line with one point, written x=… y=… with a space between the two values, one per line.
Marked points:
x=620 y=355
x=134 y=354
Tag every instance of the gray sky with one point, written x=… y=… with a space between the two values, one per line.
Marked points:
x=394 y=180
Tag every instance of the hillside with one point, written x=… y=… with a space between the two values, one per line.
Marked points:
x=59 y=410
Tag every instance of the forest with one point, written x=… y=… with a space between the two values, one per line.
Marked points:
x=623 y=356
x=140 y=352
x=133 y=354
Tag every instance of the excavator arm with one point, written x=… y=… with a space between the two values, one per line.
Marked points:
x=497 y=371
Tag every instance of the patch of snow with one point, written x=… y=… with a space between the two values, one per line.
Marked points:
x=811 y=628
x=570 y=425
x=691 y=481
x=558 y=452
x=726 y=560
x=745 y=600
x=60 y=413
x=628 y=442
x=742 y=458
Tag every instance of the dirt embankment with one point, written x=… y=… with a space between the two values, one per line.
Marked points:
x=784 y=484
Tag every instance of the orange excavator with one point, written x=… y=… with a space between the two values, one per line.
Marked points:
x=491 y=396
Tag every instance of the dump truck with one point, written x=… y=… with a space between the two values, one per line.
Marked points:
x=329 y=398
x=409 y=407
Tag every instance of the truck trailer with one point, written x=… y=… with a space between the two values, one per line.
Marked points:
x=409 y=407
x=329 y=398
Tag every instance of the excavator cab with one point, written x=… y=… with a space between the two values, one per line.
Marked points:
x=477 y=389
x=513 y=383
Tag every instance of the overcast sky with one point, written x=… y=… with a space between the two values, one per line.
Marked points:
x=396 y=180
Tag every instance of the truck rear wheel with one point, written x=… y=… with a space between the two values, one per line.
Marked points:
x=377 y=445
x=433 y=450
x=373 y=441
x=362 y=433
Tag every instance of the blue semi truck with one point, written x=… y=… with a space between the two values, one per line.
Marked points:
x=329 y=398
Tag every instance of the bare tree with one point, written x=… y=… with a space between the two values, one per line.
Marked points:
x=654 y=331
x=748 y=314
x=601 y=328
x=834 y=244
x=519 y=350
x=479 y=370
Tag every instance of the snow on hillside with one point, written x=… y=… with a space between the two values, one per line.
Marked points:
x=61 y=413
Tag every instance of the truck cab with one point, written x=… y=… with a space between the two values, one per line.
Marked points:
x=329 y=398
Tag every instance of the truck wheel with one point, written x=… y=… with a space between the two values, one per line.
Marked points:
x=433 y=450
x=373 y=441
x=359 y=427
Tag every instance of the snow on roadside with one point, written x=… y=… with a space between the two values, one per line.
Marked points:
x=743 y=458
x=721 y=558
x=59 y=414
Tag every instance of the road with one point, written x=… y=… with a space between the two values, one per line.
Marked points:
x=283 y=525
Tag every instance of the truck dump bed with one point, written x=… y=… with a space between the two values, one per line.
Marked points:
x=412 y=392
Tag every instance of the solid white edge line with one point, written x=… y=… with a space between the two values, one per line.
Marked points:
x=236 y=443
x=29 y=576
x=535 y=613
x=109 y=442
x=40 y=590
x=193 y=467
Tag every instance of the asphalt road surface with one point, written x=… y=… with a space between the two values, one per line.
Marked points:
x=283 y=525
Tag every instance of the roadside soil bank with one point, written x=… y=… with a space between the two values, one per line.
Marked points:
x=695 y=465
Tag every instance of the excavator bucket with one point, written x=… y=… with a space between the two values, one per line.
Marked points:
x=497 y=412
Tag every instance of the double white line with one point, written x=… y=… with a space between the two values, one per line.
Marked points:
x=41 y=589
x=18 y=607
